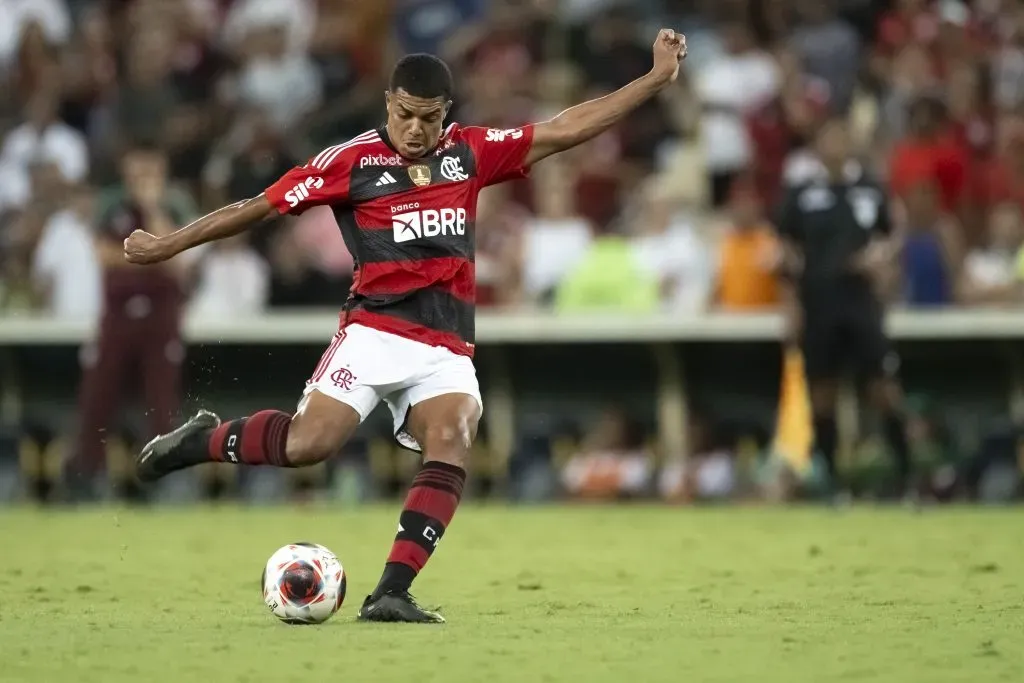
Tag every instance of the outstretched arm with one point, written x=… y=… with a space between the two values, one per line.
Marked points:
x=143 y=248
x=585 y=121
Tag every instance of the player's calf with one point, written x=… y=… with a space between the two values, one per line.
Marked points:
x=269 y=437
x=444 y=427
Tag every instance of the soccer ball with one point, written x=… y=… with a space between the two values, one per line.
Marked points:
x=303 y=583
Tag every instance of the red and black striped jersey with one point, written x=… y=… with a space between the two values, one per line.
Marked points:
x=409 y=224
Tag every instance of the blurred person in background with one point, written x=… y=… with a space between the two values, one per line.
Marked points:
x=138 y=340
x=19 y=293
x=42 y=135
x=65 y=268
x=1007 y=66
x=50 y=16
x=613 y=461
x=994 y=273
x=248 y=159
x=731 y=88
x=932 y=249
x=829 y=48
x=749 y=256
x=500 y=242
x=295 y=280
x=782 y=128
x=929 y=153
x=668 y=246
x=146 y=99
x=232 y=281
x=89 y=69
x=425 y=25
x=837 y=235
x=35 y=66
x=267 y=63
x=557 y=236
x=1003 y=178
x=298 y=18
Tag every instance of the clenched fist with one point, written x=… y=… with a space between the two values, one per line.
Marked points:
x=143 y=248
x=669 y=51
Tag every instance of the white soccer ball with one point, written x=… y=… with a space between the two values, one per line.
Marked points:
x=303 y=583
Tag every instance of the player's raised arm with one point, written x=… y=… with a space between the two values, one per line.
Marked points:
x=144 y=248
x=585 y=121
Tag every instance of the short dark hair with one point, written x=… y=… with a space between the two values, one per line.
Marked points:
x=422 y=75
x=143 y=144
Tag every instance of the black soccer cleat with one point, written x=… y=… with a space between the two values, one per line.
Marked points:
x=176 y=450
x=396 y=606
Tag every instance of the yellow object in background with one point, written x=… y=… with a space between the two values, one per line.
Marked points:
x=794 y=430
x=1020 y=264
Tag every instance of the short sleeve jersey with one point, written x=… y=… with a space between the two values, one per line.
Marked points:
x=409 y=224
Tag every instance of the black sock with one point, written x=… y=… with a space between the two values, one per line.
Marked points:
x=825 y=442
x=396 y=577
x=896 y=436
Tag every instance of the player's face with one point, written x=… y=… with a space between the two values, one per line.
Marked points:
x=833 y=144
x=414 y=123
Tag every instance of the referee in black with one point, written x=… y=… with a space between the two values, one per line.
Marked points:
x=837 y=235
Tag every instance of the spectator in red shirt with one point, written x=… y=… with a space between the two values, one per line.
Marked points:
x=909 y=21
x=929 y=153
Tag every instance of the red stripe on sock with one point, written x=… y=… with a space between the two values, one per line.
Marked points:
x=434 y=503
x=408 y=553
x=215 y=446
x=264 y=438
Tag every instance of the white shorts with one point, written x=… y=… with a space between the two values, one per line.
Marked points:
x=362 y=366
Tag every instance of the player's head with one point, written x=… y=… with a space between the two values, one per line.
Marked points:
x=832 y=142
x=418 y=98
x=144 y=169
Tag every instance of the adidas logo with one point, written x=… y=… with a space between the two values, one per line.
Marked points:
x=386 y=179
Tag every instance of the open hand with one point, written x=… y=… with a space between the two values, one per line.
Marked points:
x=143 y=248
x=669 y=51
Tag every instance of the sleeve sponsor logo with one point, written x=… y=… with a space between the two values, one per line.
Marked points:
x=496 y=135
x=301 y=192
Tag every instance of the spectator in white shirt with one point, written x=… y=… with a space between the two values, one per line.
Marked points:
x=669 y=246
x=992 y=274
x=65 y=267
x=283 y=83
x=730 y=88
x=51 y=15
x=43 y=136
x=234 y=281
x=296 y=17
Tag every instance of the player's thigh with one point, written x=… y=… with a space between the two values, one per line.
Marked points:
x=320 y=427
x=338 y=396
x=440 y=413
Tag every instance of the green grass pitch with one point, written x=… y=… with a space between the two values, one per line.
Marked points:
x=587 y=594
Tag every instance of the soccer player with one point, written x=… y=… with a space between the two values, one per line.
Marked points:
x=836 y=229
x=404 y=197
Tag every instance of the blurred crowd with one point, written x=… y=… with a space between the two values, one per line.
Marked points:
x=672 y=210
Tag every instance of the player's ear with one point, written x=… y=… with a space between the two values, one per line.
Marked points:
x=447 y=108
x=387 y=99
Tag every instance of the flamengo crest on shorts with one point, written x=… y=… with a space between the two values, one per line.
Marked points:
x=409 y=225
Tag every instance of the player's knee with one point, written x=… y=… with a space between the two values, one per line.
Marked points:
x=449 y=441
x=308 y=447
